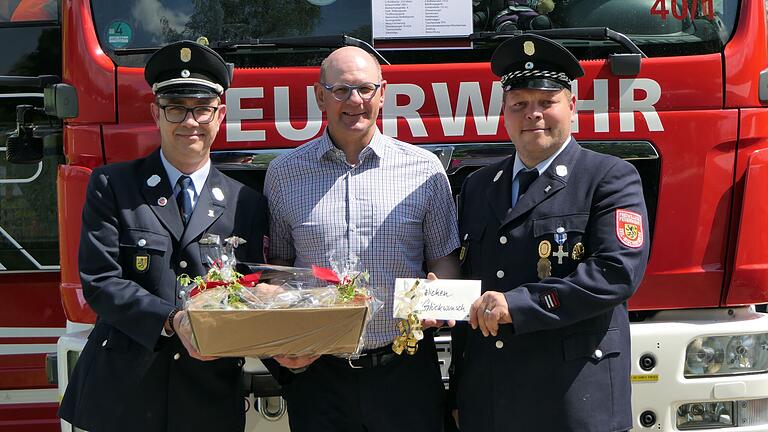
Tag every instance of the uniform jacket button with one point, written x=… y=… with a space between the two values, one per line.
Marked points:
x=503 y=239
x=597 y=354
x=500 y=274
x=104 y=343
x=176 y=356
x=183 y=264
x=142 y=242
x=499 y=344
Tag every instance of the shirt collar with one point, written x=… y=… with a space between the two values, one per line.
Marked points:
x=326 y=148
x=198 y=177
x=541 y=166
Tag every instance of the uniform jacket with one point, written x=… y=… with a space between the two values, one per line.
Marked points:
x=563 y=365
x=129 y=376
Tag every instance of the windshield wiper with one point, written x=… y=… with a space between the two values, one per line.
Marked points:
x=582 y=33
x=331 y=41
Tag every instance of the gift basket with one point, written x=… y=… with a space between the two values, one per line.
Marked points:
x=260 y=310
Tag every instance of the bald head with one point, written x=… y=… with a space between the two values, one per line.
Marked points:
x=349 y=58
x=351 y=114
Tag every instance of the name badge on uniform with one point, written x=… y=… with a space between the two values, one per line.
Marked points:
x=141 y=263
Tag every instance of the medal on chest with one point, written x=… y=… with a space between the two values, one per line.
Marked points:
x=560 y=237
x=578 y=252
x=544 y=267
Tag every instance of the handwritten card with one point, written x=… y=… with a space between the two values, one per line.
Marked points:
x=443 y=299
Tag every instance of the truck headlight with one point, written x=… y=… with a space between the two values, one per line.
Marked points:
x=705 y=415
x=726 y=355
x=722 y=414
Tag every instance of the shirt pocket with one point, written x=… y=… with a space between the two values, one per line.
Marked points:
x=572 y=223
x=311 y=237
x=399 y=229
x=143 y=256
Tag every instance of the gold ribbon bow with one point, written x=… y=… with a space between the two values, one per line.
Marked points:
x=410 y=328
x=410 y=335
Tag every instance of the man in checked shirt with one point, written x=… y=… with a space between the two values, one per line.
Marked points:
x=359 y=193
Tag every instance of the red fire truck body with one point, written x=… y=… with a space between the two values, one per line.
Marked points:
x=694 y=124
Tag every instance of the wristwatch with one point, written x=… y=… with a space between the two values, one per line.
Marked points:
x=170 y=321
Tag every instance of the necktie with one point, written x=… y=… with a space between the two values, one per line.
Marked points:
x=184 y=197
x=525 y=178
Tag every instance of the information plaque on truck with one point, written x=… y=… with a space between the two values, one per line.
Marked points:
x=416 y=19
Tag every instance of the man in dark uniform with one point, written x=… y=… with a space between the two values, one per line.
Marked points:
x=142 y=224
x=559 y=237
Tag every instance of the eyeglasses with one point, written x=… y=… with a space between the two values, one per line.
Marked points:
x=202 y=114
x=342 y=92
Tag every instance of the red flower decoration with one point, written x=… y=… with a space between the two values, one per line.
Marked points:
x=325 y=274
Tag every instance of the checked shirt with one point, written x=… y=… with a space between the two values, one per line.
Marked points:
x=393 y=211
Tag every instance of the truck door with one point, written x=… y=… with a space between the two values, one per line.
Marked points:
x=31 y=318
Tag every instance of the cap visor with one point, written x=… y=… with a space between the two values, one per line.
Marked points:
x=187 y=91
x=538 y=84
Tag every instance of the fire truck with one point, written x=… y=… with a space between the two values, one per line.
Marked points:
x=679 y=88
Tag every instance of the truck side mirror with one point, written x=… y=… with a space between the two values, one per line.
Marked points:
x=60 y=100
x=22 y=146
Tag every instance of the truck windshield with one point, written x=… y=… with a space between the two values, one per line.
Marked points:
x=658 y=27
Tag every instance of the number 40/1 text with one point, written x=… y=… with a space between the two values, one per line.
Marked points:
x=682 y=9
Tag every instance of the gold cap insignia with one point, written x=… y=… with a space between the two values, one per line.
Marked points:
x=185 y=54
x=202 y=40
x=529 y=48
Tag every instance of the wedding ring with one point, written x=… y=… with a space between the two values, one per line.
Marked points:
x=487 y=311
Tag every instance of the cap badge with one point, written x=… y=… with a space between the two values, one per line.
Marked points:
x=529 y=65
x=529 y=48
x=185 y=73
x=185 y=54
x=202 y=40
x=153 y=181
